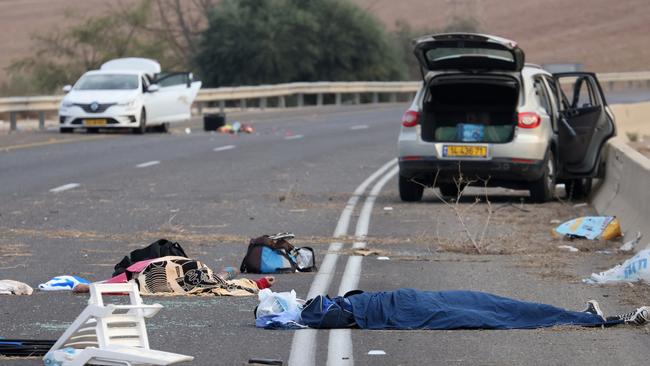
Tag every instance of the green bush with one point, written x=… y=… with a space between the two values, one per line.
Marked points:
x=251 y=42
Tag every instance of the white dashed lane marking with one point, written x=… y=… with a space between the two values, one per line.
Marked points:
x=224 y=148
x=149 y=163
x=294 y=137
x=359 y=127
x=64 y=187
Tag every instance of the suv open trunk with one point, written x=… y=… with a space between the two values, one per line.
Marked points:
x=462 y=108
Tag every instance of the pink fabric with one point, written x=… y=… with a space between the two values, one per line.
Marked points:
x=135 y=267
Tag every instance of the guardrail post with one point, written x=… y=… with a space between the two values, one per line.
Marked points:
x=12 y=121
x=282 y=103
x=263 y=103
x=357 y=98
x=338 y=98
x=393 y=97
x=242 y=104
x=319 y=99
x=222 y=106
x=41 y=120
x=375 y=98
x=301 y=100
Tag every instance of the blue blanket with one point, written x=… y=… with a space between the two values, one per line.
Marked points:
x=414 y=309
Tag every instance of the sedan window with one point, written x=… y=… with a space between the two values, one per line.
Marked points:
x=107 y=82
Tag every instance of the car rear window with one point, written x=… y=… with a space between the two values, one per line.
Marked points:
x=442 y=53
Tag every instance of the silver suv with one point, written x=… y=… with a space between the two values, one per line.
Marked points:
x=486 y=115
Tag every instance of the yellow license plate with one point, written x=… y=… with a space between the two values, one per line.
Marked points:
x=95 y=122
x=464 y=151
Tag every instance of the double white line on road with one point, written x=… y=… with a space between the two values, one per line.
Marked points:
x=303 y=347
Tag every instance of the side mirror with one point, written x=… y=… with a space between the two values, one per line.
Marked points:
x=67 y=88
x=153 y=88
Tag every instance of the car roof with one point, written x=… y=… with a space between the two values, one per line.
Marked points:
x=113 y=72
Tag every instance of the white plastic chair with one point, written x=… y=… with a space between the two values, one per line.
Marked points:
x=110 y=334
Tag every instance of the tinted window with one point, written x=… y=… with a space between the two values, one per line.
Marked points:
x=107 y=82
x=441 y=53
x=542 y=97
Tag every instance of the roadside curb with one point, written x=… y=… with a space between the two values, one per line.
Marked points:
x=625 y=190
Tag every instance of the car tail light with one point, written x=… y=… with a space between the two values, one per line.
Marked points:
x=410 y=118
x=529 y=120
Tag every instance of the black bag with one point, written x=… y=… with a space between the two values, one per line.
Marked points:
x=268 y=255
x=157 y=249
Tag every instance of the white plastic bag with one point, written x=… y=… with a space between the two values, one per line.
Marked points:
x=272 y=303
x=632 y=270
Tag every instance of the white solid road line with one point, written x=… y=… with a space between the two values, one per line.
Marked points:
x=339 y=349
x=294 y=137
x=64 y=187
x=224 y=148
x=149 y=163
x=303 y=347
x=359 y=127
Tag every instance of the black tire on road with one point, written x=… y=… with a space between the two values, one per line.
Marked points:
x=410 y=191
x=142 y=128
x=448 y=190
x=163 y=128
x=66 y=130
x=578 y=188
x=543 y=189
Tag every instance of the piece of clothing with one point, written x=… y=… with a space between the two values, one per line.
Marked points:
x=11 y=287
x=182 y=276
x=283 y=320
x=415 y=309
x=324 y=312
x=62 y=283
x=158 y=249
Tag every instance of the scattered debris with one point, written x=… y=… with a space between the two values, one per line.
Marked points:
x=63 y=283
x=236 y=127
x=264 y=361
x=583 y=204
x=591 y=227
x=188 y=130
x=555 y=221
x=11 y=287
x=630 y=244
x=388 y=208
x=569 y=248
x=366 y=252
x=377 y=352
x=383 y=258
x=298 y=210
x=632 y=270
x=605 y=252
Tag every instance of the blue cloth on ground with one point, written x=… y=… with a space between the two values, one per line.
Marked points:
x=415 y=309
x=284 y=320
x=62 y=283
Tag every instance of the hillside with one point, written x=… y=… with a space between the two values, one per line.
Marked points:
x=603 y=35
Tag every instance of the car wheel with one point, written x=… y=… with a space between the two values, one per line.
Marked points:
x=140 y=130
x=578 y=188
x=65 y=130
x=163 y=128
x=448 y=190
x=543 y=189
x=410 y=191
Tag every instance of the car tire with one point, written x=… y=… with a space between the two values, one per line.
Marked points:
x=66 y=130
x=578 y=188
x=163 y=128
x=410 y=191
x=142 y=128
x=543 y=189
x=448 y=190
x=92 y=130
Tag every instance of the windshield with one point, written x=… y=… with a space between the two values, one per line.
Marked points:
x=107 y=82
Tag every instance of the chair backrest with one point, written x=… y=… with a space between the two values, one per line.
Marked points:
x=124 y=326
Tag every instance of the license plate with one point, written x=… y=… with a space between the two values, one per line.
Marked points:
x=464 y=151
x=95 y=122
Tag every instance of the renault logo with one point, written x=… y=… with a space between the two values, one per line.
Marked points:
x=94 y=106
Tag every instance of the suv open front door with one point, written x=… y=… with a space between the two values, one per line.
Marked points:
x=585 y=124
x=177 y=93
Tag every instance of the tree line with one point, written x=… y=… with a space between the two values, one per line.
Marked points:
x=229 y=43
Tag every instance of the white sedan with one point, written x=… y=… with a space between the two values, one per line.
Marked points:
x=128 y=93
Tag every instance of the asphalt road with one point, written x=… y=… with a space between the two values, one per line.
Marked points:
x=78 y=206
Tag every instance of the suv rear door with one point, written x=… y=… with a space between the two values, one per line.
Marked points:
x=468 y=51
x=585 y=122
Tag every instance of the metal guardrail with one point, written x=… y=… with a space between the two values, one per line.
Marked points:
x=262 y=93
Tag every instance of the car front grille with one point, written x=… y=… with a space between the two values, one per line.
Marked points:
x=80 y=121
x=100 y=108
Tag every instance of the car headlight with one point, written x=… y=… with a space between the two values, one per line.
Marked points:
x=67 y=104
x=128 y=103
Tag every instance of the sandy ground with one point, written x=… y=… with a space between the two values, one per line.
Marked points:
x=603 y=35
